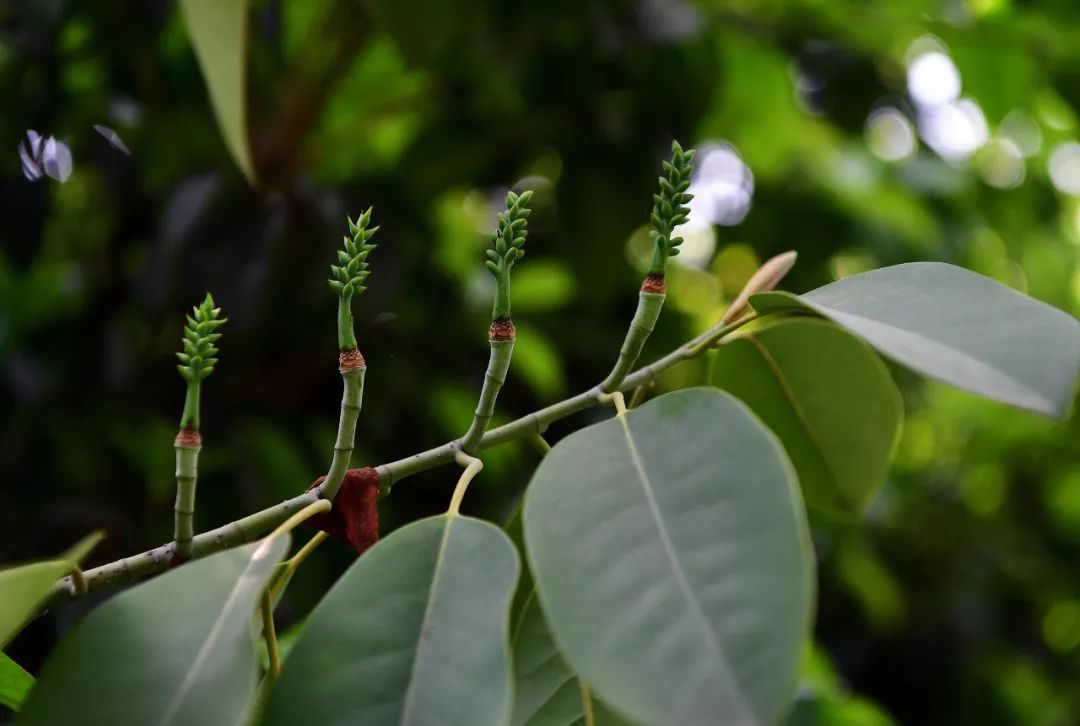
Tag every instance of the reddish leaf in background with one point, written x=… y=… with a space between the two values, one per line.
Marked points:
x=355 y=516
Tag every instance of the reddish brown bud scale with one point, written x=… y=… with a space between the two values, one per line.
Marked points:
x=355 y=516
x=349 y=360
x=501 y=330
x=654 y=284
x=188 y=438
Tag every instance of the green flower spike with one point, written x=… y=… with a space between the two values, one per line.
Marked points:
x=348 y=276
x=197 y=360
x=508 y=248
x=669 y=207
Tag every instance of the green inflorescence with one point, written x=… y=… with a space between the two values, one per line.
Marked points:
x=348 y=276
x=197 y=359
x=669 y=207
x=508 y=248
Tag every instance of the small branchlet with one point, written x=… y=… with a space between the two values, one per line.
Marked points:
x=347 y=278
x=197 y=359
x=508 y=246
x=196 y=363
x=669 y=207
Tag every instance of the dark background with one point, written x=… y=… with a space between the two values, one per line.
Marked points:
x=955 y=599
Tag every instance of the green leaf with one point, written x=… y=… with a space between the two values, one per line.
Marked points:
x=828 y=398
x=672 y=559
x=415 y=632
x=546 y=691
x=24 y=589
x=175 y=650
x=218 y=30
x=956 y=326
x=15 y=683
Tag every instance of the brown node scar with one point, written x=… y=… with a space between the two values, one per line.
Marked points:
x=654 y=284
x=501 y=330
x=188 y=438
x=350 y=360
x=355 y=517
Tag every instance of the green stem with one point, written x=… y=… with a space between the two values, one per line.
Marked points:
x=648 y=310
x=254 y=525
x=351 y=400
x=345 y=334
x=187 y=474
x=494 y=378
x=658 y=264
x=501 y=308
x=189 y=419
x=270 y=635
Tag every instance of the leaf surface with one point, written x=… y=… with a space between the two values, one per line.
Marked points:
x=177 y=649
x=956 y=326
x=415 y=633
x=829 y=399
x=672 y=561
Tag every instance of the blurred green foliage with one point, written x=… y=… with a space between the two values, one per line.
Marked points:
x=955 y=599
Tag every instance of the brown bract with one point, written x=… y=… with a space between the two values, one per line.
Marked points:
x=501 y=330
x=349 y=360
x=355 y=516
x=188 y=438
x=654 y=284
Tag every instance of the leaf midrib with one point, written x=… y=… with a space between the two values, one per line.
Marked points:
x=676 y=567
x=796 y=407
x=406 y=712
x=843 y=317
x=211 y=636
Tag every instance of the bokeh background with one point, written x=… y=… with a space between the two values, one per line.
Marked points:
x=859 y=134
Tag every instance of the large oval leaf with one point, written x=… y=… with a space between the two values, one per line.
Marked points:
x=218 y=30
x=959 y=327
x=671 y=556
x=175 y=650
x=416 y=632
x=827 y=396
x=25 y=588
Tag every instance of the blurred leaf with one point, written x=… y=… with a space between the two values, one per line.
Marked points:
x=868 y=579
x=15 y=683
x=756 y=106
x=218 y=31
x=414 y=632
x=827 y=396
x=961 y=328
x=542 y=285
x=26 y=587
x=687 y=602
x=277 y=459
x=176 y=649
x=537 y=361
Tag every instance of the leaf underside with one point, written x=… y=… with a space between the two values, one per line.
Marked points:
x=672 y=560
x=955 y=326
x=415 y=632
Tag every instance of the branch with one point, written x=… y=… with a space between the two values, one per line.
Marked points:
x=669 y=211
x=197 y=361
x=251 y=527
x=508 y=247
x=347 y=281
